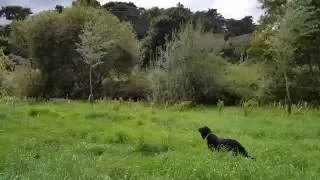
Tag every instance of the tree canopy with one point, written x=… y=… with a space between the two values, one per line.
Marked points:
x=14 y=12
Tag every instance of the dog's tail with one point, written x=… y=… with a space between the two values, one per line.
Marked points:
x=250 y=157
x=245 y=153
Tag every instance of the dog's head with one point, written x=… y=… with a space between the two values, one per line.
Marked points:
x=204 y=131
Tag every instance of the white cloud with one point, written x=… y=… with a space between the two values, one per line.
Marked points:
x=238 y=8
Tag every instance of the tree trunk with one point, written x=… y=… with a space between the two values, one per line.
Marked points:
x=90 y=99
x=310 y=68
x=289 y=102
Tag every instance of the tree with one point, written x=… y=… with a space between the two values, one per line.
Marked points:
x=161 y=30
x=211 y=19
x=93 y=3
x=99 y=40
x=50 y=40
x=129 y=12
x=185 y=70
x=240 y=27
x=274 y=10
x=59 y=8
x=297 y=24
x=15 y=12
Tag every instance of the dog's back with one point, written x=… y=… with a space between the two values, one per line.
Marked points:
x=233 y=145
x=216 y=143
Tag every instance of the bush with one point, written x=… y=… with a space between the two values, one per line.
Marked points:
x=304 y=87
x=134 y=87
x=220 y=106
x=24 y=82
x=5 y=65
x=246 y=80
x=248 y=106
x=186 y=71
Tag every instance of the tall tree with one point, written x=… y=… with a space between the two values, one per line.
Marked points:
x=100 y=40
x=15 y=12
x=50 y=39
x=297 y=24
x=93 y=3
x=273 y=10
x=129 y=12
x=161 y=29
x=59 y=8
x=211 y=19
x=240 y=27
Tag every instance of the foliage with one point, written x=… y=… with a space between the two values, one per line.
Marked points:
x=50 y=38
x=24 y=82
x=101 y=39
x=5 y=63
x=299 y=22
x=59 y=8
x=302 y=86
x=236 y=48
x=274 y=10
x=211 y=19
x=186 y=71
x=133 y=87
x=220 y=106
x=246 y=80
x=248 y=106
x=161 y=30
x=287 y=41
x=92 y=3
x=129 y=12
x=15 y=12
x=240 y=27
x=5 y=66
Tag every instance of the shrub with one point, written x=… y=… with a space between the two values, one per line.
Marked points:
x=185 y=70
x=5 y=65
x=248 y=106
x=134 y=87
x=220 y=106
x=184 y=105
x=246 y=80
x=151 y=149
x=303 y=87
x=24 y=82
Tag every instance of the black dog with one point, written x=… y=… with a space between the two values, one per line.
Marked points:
x=217 y=144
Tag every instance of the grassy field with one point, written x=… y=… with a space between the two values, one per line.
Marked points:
x=131 y=141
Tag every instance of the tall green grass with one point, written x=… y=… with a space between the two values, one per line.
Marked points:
x=120 y=140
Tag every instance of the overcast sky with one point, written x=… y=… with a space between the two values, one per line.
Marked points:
x=228 y=8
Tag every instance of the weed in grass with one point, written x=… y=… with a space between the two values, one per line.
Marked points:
x=33 y=112
x=139 y=123
x=151 y=149
x=96 y=115
x=96 y=150
x=120 y=138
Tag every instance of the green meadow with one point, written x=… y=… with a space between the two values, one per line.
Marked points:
x=125 y=140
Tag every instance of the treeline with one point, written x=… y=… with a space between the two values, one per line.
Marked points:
x=167 y=55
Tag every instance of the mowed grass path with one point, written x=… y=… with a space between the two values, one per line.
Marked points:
x=131 y=141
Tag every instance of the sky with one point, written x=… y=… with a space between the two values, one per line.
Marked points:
x=236 y=9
